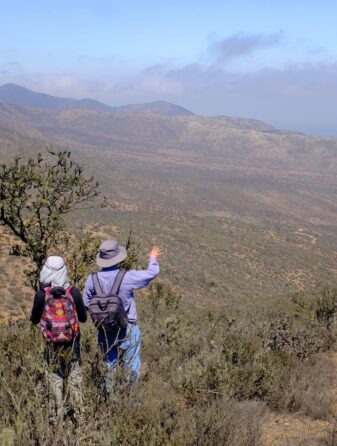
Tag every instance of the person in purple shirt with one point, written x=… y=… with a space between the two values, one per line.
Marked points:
x=127 y=346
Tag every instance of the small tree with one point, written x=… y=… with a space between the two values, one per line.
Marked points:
x=82 y=255
x=35 y=194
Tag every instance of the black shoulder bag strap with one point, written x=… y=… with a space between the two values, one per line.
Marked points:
x=97 y=285
x=117 y=283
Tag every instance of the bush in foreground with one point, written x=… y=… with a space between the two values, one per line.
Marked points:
x=206 y=380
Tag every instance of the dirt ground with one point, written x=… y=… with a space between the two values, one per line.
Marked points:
x=297 y=430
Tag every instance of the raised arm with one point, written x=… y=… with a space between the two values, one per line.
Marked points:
x=140 y=279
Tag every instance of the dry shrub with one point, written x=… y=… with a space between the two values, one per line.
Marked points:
x=207 y=380
x=307 y=389
x=152 y=412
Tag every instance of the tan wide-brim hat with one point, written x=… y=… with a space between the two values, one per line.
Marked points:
x=110 y=253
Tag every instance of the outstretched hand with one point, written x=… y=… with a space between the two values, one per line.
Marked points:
x=155 y=252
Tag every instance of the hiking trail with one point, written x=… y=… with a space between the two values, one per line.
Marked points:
x=312 y=237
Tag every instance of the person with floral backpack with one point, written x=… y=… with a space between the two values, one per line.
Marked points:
x=59 y=308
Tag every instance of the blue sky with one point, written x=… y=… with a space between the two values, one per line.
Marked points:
x=275 y=61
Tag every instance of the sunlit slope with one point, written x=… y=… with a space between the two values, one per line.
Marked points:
x=214 y=141
x=241 y=208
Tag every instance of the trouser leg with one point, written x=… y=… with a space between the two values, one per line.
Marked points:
x=131 y=356
x=55 y=382
x=75 y=379
x=110 y=380
x=108 y=344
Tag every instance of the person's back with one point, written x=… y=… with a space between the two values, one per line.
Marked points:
x=133 y=280
x=62 y=353
x=109 y=258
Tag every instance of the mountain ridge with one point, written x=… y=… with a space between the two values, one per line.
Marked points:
x=234 y=186
x=24 y=97
x=190 y=139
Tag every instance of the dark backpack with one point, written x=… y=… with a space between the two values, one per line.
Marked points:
x=107 y=310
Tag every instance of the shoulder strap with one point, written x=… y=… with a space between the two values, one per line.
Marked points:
x=69 y=296
x=97 y=285
x=118 y=281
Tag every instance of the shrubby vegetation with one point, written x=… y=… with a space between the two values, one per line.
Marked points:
x=35 y=195
x=207 y=378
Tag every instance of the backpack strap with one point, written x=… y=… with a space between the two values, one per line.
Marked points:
x=97 y=285
x=118 y=281
x=69 y=296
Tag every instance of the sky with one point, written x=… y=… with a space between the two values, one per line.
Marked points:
x=273 y=61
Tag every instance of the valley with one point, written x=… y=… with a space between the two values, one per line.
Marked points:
x=229 y=199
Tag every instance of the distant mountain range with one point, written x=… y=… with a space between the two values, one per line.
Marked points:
x=162 y=127
x=160 y=138
x=23 y=97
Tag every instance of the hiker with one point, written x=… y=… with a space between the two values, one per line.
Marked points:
x=121 y=341
x=58 y=308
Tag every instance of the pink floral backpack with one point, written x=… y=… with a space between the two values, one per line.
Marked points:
x=59 y=323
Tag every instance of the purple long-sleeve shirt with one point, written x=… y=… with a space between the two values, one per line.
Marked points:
x=133 y=280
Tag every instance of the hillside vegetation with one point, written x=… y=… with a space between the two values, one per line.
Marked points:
x=207 y=379
x=251 y=208
x=235 y=333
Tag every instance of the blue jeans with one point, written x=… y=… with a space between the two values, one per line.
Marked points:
x=123 y=346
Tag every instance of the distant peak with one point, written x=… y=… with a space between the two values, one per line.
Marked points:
x=24 y=97
x=10 y=86
x=158 y=107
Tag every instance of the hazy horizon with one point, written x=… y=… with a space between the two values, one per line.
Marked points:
x=275 y=63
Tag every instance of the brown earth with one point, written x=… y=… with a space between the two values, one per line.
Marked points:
x=15 y=293
x=292 y=430
x=299 y=430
